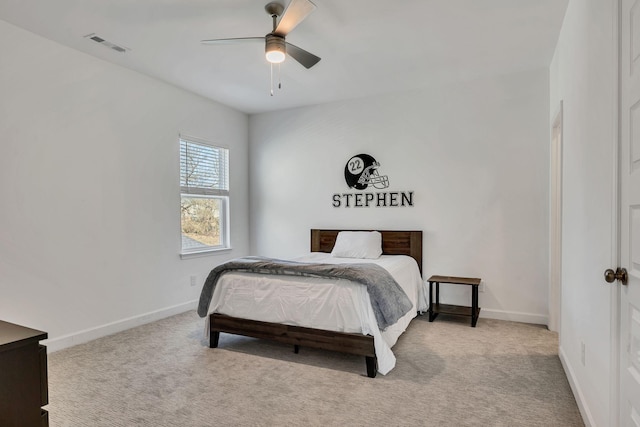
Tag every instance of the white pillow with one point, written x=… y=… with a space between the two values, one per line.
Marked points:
x=358 y=244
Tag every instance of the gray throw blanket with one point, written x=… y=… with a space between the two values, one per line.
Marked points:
x=388 y=300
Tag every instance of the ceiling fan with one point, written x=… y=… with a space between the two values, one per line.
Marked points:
x=276 y=48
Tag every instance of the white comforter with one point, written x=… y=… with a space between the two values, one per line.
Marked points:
x=336 y=305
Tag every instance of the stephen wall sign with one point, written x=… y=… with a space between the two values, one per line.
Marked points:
x=361 y=173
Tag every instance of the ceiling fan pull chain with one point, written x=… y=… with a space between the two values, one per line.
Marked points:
x=279 y=81
x=271 y=66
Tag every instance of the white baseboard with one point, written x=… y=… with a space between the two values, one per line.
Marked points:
x=537 y=319
x=55 y=344
x=577 y=392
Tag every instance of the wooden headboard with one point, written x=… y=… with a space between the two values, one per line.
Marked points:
x=393 y=242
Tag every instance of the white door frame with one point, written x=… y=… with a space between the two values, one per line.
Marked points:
x=615 y=405
x=555 y=226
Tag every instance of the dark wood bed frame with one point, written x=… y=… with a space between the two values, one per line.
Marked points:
x=393 y=243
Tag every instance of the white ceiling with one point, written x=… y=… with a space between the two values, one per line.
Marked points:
x=367 y=46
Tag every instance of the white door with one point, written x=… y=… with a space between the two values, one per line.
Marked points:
x=630 y=212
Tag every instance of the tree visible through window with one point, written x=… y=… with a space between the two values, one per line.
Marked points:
x=204 y=198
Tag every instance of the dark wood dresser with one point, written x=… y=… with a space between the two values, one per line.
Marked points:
x=23 y=377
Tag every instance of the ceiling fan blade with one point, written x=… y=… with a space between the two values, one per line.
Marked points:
x=307 y=59
x=296 y=12
x=233 y=41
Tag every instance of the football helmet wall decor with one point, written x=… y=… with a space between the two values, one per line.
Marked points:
x=362 y=170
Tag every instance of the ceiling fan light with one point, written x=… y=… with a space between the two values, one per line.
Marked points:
x=275 y=56
x=275 y=49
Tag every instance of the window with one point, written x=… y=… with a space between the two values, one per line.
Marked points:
x=204 y=196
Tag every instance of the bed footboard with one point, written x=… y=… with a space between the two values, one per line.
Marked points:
x=297 y=336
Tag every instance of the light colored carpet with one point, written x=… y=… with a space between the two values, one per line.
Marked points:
x=447 y=374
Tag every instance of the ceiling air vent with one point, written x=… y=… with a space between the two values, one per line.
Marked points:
x=106 y=43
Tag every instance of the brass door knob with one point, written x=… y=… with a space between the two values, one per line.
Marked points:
x=620 y=274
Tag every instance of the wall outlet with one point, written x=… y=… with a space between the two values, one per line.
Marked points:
x=582 y=352
x=194 y=280
x=481 y=287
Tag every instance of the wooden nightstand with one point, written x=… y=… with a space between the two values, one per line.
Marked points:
x=436 y=308
x=23 y=377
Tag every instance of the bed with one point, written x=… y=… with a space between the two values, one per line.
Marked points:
x=348 y=328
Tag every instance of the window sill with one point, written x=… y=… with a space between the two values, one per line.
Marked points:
x=205 y=252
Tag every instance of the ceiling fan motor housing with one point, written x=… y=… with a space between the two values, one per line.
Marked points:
x=275 y=47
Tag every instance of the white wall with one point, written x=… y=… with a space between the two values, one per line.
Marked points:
x=583 y=78
x=89 y=223
x=475 y=154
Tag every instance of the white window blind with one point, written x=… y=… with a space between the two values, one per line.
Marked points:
x=204 y=169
